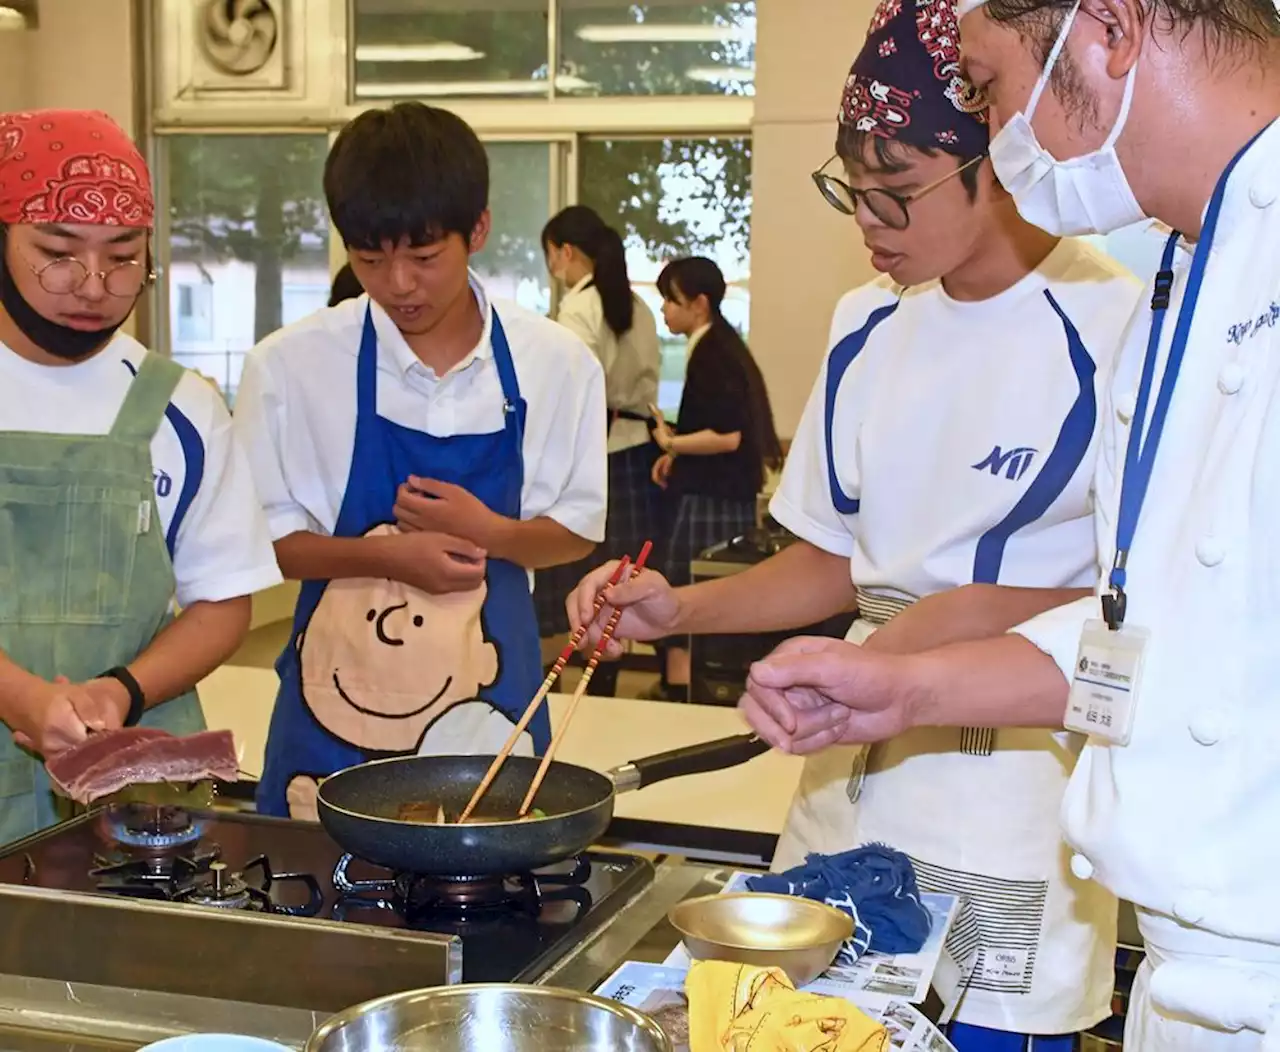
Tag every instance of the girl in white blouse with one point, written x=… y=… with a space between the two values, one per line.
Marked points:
x=587 y=257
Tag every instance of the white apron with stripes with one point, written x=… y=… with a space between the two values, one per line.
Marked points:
x=1040 y=941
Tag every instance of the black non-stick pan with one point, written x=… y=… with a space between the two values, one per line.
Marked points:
x=359 y=807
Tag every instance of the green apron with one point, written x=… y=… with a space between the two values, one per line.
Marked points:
x=86 y=581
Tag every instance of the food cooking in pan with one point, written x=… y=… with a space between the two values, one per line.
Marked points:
x=431 y=812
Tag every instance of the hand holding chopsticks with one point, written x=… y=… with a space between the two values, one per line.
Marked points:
x=596 y=655
x=574 y=641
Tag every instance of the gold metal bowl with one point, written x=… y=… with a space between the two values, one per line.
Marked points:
x=798 y=935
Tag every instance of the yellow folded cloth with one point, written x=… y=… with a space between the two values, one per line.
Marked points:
x=738 y=1008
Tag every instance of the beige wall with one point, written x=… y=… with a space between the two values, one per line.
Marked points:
x=804 y=255
x=14 y=45
x=81 y=57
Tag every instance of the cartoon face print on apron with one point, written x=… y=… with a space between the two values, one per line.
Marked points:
x=86 y=581
x=382 y=661
x=377 y=668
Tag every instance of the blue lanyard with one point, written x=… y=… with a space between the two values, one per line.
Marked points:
x=1140 y=456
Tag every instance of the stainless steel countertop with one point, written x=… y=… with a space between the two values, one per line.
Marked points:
x=43 y=1015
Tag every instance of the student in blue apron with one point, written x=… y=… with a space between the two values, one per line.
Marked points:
x=950 y=438
x=130 y=535
x=419 y=450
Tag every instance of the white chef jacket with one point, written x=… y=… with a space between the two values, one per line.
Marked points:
x=961 y=448
x=1185 y=820
x=631 y=361
x=213 y=525
x=296 y=412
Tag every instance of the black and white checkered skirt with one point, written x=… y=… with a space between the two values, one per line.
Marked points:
x=699 y=523
x=635 y=516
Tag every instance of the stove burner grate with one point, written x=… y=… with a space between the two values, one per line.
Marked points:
x=418 y=897
x=204 y=880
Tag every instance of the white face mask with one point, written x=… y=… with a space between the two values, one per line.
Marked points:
x=1083 y=195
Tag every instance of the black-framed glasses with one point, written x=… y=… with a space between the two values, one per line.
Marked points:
x=888 y=207
x=67 y=274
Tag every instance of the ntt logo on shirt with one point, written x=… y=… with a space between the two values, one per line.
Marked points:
x=1013 y=463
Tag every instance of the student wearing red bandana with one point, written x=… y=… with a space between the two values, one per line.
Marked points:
x=130 y=534
x=950 y=439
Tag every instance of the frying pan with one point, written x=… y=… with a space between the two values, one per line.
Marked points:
x=359 y=806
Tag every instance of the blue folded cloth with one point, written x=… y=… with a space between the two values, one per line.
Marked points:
x=874 y=884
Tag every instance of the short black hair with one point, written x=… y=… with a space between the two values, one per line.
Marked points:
x=412 y=171
x=893 y=156
x=1228 y=25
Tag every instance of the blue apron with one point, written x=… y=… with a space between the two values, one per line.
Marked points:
x=385 y=454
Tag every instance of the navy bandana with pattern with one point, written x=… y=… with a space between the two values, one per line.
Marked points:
x=906 y=83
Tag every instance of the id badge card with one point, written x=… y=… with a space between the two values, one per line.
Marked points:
x=1104 y=688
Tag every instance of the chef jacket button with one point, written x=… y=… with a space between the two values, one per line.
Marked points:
x=1081 y=867
x=1263 y=194
x=1231 y=379
x=1208 y=728
x=1191 y=906
x=1210 y=551
x=1126 y=406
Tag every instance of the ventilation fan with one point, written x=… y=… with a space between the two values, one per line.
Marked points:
x=239 y=37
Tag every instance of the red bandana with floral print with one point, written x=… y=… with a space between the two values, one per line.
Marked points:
x=71 y=166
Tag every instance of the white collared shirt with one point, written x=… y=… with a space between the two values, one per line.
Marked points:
x=694 y=338
x=631 y=361
x=203 y=487
x=296 y=412
x=1183 y=821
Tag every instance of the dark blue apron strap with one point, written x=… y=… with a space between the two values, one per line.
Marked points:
x=838 y=362
x=367 y=370
x=513 y=406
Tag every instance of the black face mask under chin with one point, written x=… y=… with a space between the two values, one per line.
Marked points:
x=59 y=340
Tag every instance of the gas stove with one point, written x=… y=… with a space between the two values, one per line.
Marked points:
x=271 y=871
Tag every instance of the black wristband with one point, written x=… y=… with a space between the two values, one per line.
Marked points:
x=137 y=700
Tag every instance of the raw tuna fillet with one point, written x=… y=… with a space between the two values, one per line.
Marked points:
x=69 y=765
x=152 y=757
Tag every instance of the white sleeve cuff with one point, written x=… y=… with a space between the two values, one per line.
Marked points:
x=1057 y=632
x=284 y=521
x=836 y=542
x=217 y=590
x=590 y=527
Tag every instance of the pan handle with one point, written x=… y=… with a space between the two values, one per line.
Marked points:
x=690 y=759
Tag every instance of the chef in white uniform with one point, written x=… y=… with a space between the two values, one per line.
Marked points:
x=1175 y=674
x=950 y=438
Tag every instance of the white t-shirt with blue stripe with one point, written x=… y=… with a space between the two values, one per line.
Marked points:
x=964 y=433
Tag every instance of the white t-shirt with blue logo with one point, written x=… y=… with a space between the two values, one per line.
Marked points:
x=964 y=432
x=962 y=443
x=213 y=523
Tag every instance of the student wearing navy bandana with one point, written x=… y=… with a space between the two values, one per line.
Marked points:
x=950 y=439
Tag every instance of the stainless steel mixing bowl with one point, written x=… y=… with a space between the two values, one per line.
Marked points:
x=504 y=1017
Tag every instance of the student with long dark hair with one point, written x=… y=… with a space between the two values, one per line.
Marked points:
x=714 y=458
x=587 y=257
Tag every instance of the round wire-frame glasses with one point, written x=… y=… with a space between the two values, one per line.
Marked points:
x=65 y=275
x=888 y=207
